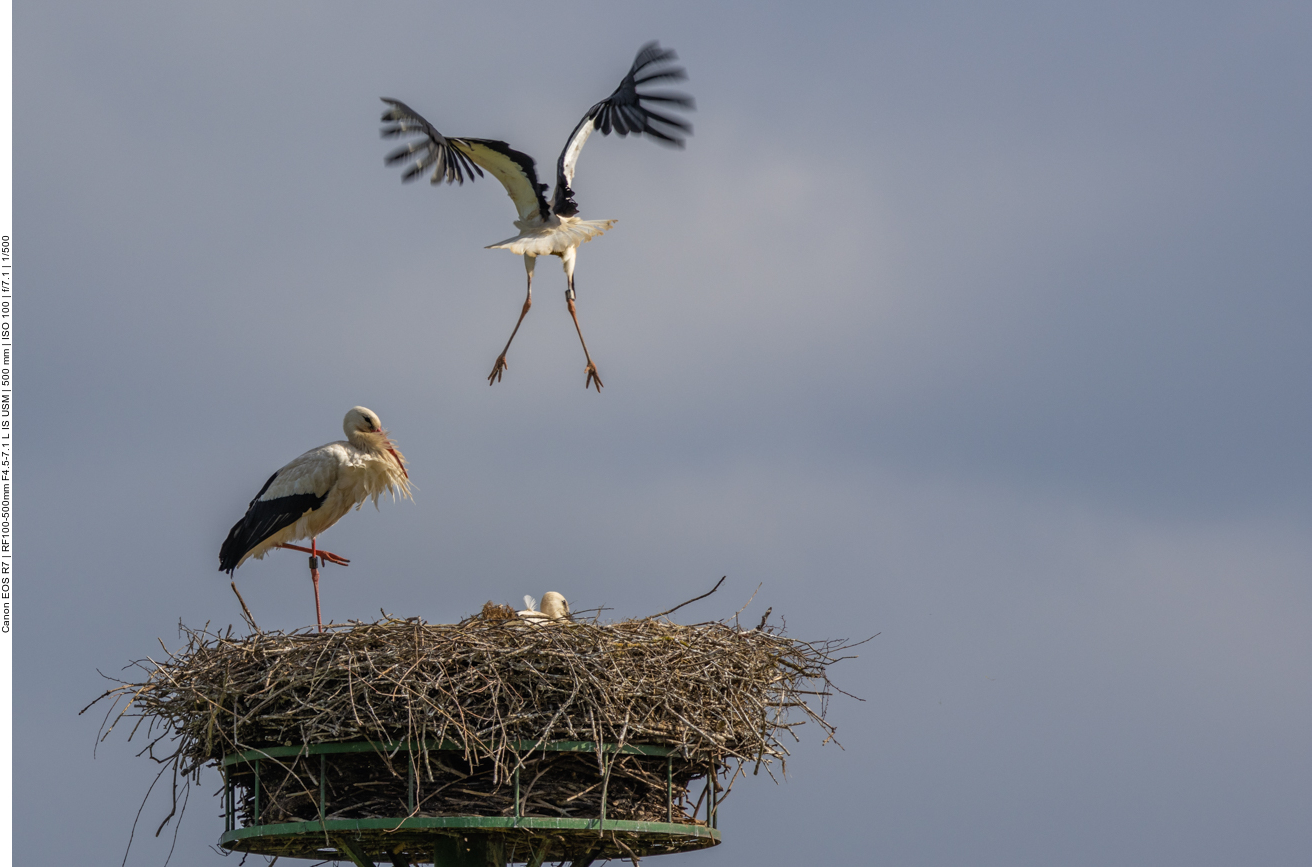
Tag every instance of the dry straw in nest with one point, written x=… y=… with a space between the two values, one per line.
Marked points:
x=493 y=686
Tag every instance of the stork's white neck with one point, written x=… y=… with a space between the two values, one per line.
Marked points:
x=369 y=441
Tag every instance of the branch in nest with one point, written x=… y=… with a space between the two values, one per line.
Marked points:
x=690 y=601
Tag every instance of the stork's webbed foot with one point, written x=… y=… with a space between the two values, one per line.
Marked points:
x=592 y=377
x=497 y=369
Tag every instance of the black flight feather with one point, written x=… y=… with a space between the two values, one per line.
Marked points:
x=262 y=520
x=436 y=150
x=451 y=164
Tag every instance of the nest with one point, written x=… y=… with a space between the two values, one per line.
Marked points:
x=455 y=713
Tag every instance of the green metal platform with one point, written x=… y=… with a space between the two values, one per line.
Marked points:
x=457 y=841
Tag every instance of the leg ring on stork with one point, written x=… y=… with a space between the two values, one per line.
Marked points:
x=317 y=558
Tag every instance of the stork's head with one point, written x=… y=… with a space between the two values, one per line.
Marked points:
x=365 y=431
x=362 y=420
x=555 y=606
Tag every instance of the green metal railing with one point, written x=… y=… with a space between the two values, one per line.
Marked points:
x=340 y=831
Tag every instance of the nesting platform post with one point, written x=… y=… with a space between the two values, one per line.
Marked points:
x=488 y=742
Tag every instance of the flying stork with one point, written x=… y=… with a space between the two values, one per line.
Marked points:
x=313 y=492
x=545 y=228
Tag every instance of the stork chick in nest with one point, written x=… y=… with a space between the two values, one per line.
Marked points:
x=555 y=609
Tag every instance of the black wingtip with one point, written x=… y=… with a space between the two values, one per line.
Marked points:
x=449 y=164
x=625 y=111
x=228 y=555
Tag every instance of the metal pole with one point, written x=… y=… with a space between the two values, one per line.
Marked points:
x=323 y=787
x=447 y=852
x=517 y=808
x=669 y=788
x=605 y=781
x=711 y=816
x=494 y=852
x=256 y=815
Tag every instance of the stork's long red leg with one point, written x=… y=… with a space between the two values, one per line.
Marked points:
x=314 y=576
x=500 y=366
x=316 y=556
x=591 y=368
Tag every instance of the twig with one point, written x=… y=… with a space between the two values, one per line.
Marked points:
x=244 y=610
x=690 y=601
x=745 y=604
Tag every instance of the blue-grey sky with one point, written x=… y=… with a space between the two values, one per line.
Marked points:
x=981 y=326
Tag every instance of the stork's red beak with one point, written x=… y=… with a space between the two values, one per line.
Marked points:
x=398 y=462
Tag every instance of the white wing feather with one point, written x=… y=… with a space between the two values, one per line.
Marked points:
x=314 y=472
x=520 y=180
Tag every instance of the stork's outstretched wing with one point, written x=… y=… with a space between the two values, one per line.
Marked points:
x=624 y=112
x=455 y=159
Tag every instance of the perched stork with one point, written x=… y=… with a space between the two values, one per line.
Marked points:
x=545 y=228
x=554 y=609
x=314 y=491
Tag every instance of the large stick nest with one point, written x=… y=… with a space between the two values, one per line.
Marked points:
x=721 y=696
